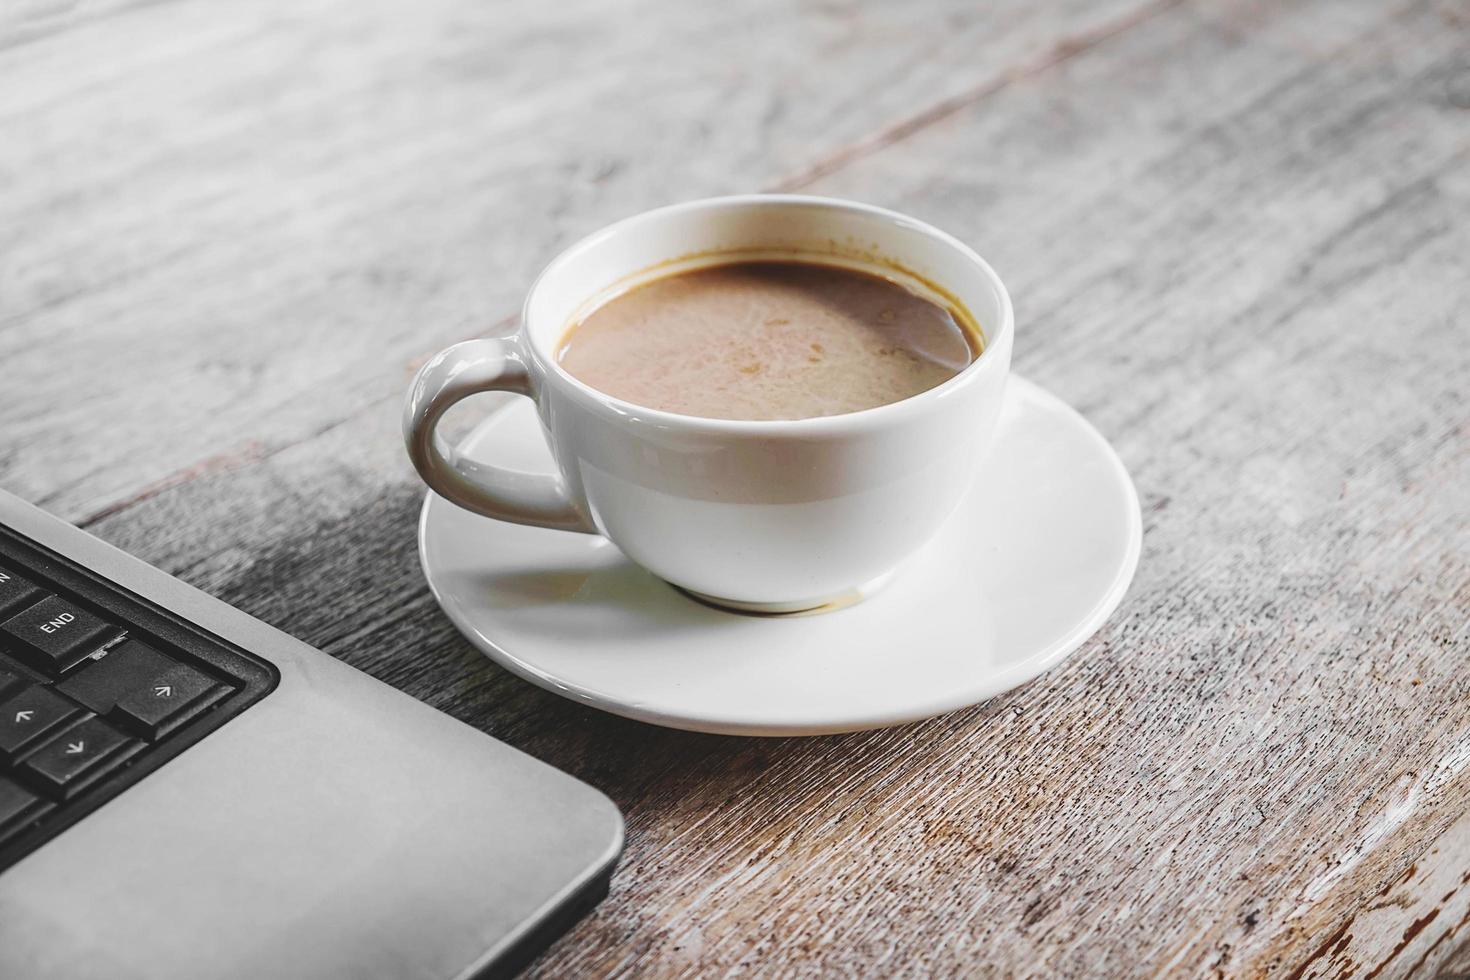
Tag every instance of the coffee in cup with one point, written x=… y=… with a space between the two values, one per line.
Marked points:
x=774 y=338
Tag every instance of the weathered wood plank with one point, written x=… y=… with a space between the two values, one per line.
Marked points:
x=1236 y=238
x=1283 y=275
x=240 y=220
x=1412 y=925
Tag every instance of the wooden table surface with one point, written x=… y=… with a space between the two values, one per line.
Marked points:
x=1238 y=238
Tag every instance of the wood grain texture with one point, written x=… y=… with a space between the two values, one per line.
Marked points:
x=195 y=187
x=1237 y=238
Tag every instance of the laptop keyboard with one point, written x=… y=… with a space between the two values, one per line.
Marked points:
x=98 y=688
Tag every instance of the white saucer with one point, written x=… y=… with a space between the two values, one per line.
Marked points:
x=1036 y=559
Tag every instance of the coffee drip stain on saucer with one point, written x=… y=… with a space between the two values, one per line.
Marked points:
x=849 y=598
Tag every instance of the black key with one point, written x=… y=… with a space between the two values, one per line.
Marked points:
x=77 y=756
x=19 y=807
x=28 y=715
x=170 y=699
x=128 y=667
x=14 y=800
x=54 y=634
x=8 y=679
x=16 y=593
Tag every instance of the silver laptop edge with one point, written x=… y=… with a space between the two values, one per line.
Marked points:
x=337 y=828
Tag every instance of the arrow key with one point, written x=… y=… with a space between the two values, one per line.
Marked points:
x=28 y=715
x=167 y=701
x=101 y=684
x=77 y=756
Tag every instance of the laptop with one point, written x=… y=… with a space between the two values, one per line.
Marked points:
x=188 y=792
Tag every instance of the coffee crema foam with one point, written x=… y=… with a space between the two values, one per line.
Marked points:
x=767 y=339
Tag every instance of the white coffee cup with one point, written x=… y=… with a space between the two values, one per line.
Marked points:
x=765 y=515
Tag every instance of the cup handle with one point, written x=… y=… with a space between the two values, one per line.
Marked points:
x=457 y=372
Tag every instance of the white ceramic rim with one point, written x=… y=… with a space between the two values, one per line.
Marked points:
x=547 y=365
x=992 y=686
